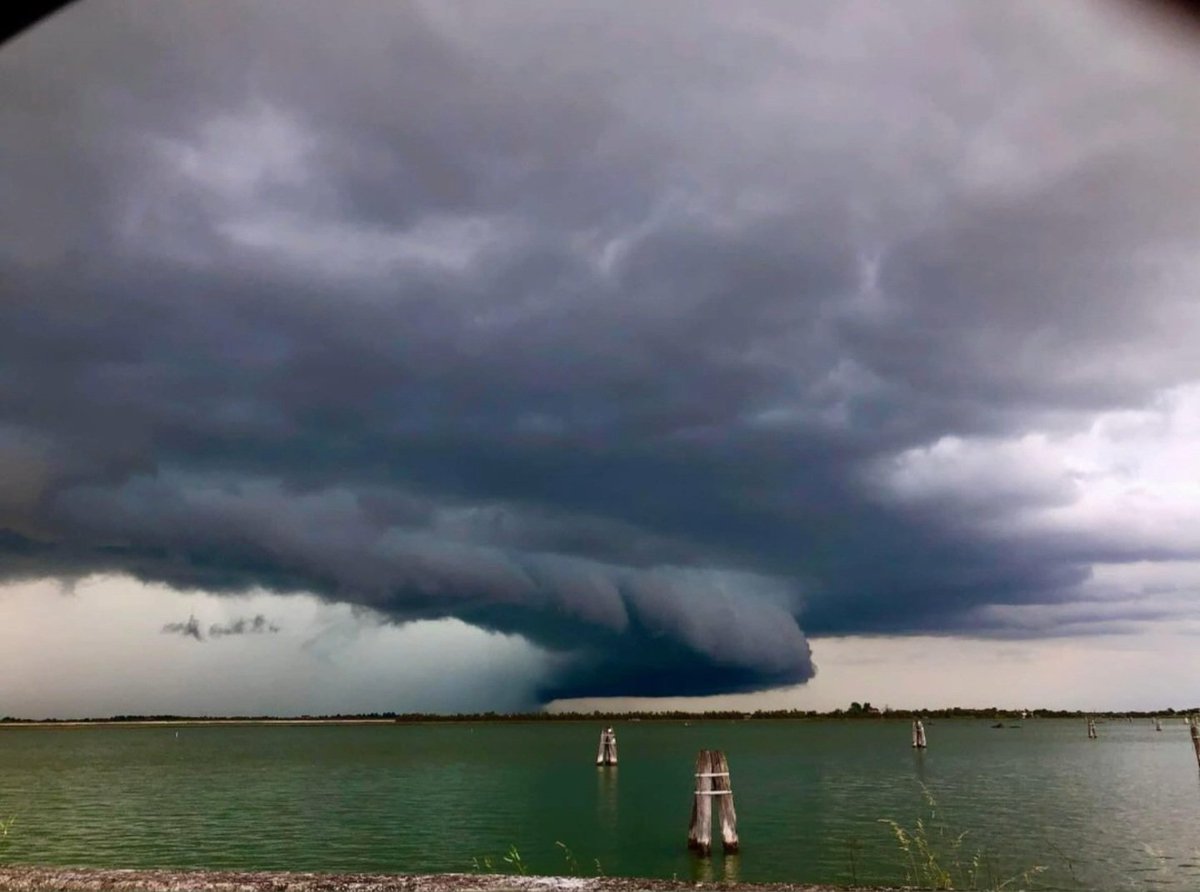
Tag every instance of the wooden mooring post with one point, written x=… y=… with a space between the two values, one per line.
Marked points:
x=1194 y=727
x=1091 y=726
x=918 y=735
x=607 y=753
x=712 y=781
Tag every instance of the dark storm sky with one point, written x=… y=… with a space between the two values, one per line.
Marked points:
x=662 y=335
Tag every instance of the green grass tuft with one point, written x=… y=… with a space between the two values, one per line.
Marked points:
x=936 y=857
x=5 y=826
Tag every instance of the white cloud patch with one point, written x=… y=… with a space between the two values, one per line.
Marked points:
x=238 y=157
x=328 y=246
x=1128 y=474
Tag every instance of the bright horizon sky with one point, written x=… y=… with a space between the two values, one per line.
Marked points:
x=442 y=356
x=89 y=658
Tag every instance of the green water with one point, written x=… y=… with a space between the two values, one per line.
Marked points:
x=1119 y=813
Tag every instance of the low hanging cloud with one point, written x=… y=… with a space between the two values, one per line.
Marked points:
x=255 y=625
x=189 y=629
x=825 y=321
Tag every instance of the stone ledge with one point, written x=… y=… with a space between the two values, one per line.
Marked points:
x=65 y=879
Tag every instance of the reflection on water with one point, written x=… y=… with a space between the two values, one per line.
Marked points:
x=702 y=869
x=606 y=796
x=1116 y=814
x=731 y=868
x=726 y=868
x=919 y=764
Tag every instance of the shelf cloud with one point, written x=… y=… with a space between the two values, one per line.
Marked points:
x=661 y=336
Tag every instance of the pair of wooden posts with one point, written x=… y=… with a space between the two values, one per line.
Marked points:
x=712 y=781
x=607 y=753
x=918 y=735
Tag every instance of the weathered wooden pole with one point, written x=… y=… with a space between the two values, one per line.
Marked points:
x=1194 y=725
x=723 y=790
x=606 y=754
x=700 y=832
x=918 y=735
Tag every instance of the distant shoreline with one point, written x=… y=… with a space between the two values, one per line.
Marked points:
x=555 y=718
x=91 y=723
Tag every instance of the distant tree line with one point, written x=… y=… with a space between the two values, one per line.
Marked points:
x=856 y=711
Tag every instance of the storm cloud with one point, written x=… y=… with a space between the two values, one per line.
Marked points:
x=657 y=334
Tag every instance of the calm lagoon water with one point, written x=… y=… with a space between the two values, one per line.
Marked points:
x=1119 y=813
